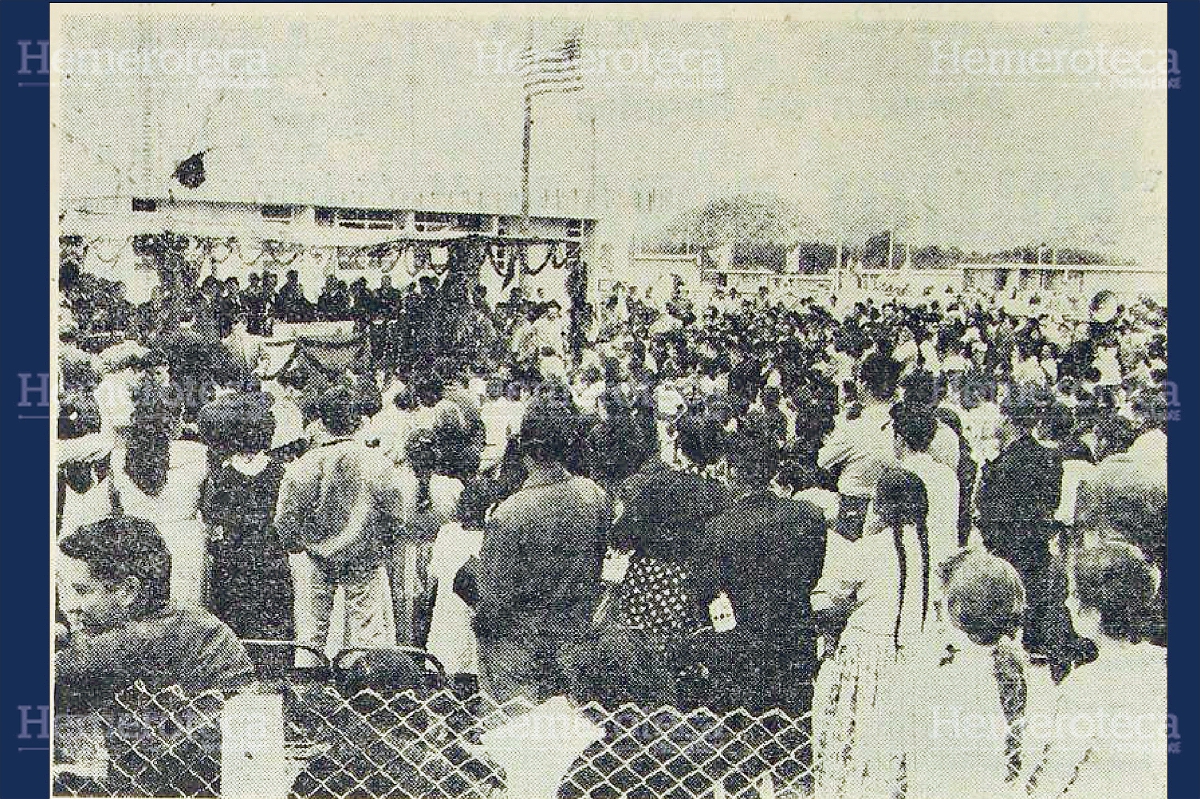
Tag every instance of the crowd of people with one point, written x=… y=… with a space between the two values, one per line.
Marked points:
x=936 y=526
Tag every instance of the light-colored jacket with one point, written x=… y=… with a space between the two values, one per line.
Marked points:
x=341 y=502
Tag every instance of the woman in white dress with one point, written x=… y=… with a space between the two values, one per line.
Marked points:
x=1110 y=732
x=970 y=689
x=430 y=503
x=883 y=580
x=451 y=633
x=155 y=477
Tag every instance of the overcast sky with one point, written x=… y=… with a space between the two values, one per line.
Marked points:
x=846 y=119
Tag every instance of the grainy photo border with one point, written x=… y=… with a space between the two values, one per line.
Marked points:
x=1116 y=14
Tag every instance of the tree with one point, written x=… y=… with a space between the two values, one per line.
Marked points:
x=742 y=218
x=815 y=258
x=934 y=256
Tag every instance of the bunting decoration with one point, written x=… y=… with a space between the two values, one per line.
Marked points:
x=282 y=254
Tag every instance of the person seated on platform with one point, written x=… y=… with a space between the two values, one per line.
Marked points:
x=114 y=579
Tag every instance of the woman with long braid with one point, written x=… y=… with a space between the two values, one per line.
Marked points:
x=971 y=691
x=880 y=585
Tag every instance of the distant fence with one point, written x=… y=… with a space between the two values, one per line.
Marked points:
x=412 y=743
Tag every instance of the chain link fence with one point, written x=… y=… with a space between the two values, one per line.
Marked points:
x=421 y=742
x=151 y=743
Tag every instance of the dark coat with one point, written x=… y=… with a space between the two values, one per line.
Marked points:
x=766 y=554
x=1018 y=493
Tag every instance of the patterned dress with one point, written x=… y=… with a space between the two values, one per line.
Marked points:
x=860 y=705
x=657 y=597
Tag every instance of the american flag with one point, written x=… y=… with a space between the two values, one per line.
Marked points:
x=553 y=70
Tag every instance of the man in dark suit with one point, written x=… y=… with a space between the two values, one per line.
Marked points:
x=764 y=554
x=539 y=577
x=1018 y=493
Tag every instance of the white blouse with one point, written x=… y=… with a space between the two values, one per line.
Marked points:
x=867 y=572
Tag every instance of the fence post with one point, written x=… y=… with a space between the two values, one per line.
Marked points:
x=252 y=754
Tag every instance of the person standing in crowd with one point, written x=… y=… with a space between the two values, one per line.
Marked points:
x=861 y=446
x=965 y=474
x=658 y=536
x=254 y=306
x=207 y=311
x=246 y=350
x=453 y=573
x=157 y=477
x=339 y=506
x=1057 y=430
x=386 y=310
x=669 y=406
x=981 y=417
x=430 y=501
x=920 y=390
x=540 y=563
x=526 y=344
x=702 y=441
x=290 y=304
x=462 y=443
x=762 y=555
x=880 y=585
x=552 y=341
x=1125 y=497
x=615 y=446
x=333 y=303
x=251 y=587
x=288 y=439
x=501 y=415
x=229 y=307
x=1019 y=492
x=1111 y=721
x=269 y=281
x=970 y=697
x=914 y=428
x=362 y=306
x=451 y=416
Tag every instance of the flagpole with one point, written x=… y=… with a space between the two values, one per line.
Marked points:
x=525 y=142
x=525 y=157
